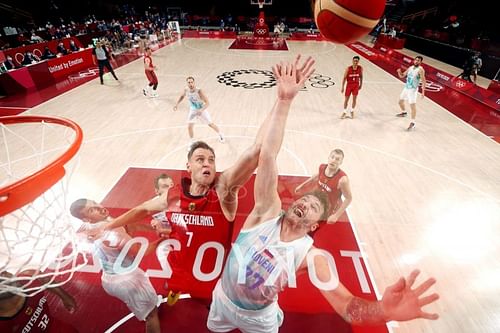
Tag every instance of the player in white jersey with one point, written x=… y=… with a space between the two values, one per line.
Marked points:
x=273 y=246
x=198 y=104
x=415 y=75
x=131 y=285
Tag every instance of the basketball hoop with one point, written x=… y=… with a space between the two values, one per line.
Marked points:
x=261 y=4
x=36 y=234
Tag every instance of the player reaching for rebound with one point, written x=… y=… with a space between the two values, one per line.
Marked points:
x=149 y=69
x=354 y=77
x=274 y=246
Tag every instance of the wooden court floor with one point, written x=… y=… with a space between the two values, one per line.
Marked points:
x=427 y=199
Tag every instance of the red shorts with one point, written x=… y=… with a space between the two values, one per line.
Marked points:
x=151 y=77
x=352 y=89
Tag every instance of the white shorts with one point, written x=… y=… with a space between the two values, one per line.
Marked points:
x=409 y=94
x=134 y=289
x=204 y=116
x=225 y=316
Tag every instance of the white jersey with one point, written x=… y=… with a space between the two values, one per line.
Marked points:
x=194 y=98
x=257 y=266
x=108 y=247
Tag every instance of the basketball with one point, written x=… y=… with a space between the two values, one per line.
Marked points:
x=344 y=21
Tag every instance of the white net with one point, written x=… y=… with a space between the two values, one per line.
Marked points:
x=38 y=243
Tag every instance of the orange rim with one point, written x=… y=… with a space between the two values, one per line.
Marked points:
x=26 y=190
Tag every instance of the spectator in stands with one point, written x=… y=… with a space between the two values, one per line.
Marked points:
x=393 y=32
x=35 y=38
x=9 y=63
x=29 y=58
x=61 y=49
x=22 y=39
x=73 y=47
x=48 y=54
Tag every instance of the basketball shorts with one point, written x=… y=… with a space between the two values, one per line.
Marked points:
x=151 y=77
x=409 y=95
x=134 y=289
x=352 y=89
x=224 y=316
x=204 y=116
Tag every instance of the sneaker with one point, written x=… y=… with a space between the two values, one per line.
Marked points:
x=411 y=126
x=343 y=116
x=352 y=115
x=402 y=114
x=221 y=138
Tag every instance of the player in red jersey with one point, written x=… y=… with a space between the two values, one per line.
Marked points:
x=31 y=314
x=333 y=181
x=149 y=69
x=354 y=77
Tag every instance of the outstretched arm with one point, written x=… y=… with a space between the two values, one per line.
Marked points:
x=68 y=300
x=232 y=179
x=345 y=188
x=267 y=201
x=140 y=212
x=181 y=97
x=400 y=302
x=303 y=187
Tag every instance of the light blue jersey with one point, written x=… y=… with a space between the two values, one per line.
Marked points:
x=260 y=265
x=194 y=98
x=413 y=78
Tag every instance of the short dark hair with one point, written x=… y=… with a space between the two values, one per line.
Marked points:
x=190 y=77
x=199 y=144
x=161 y=176
x=355 y=57
x=420 y=57
x=77 y=207
x=323 y=199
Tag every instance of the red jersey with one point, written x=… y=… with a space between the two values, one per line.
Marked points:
x=204 y=233
x=330 y=185
x=33 y=317
x=354 y=75
x=150 y=61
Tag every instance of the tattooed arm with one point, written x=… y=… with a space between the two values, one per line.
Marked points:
x=400 y=302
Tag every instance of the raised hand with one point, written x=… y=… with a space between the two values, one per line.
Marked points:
x=291 y=78
x=400 y=302
x=305 y=68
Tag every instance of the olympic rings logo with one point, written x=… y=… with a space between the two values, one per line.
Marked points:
x=321 y=81
x=261 y=31
x=233 y=79
x=89 y=72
